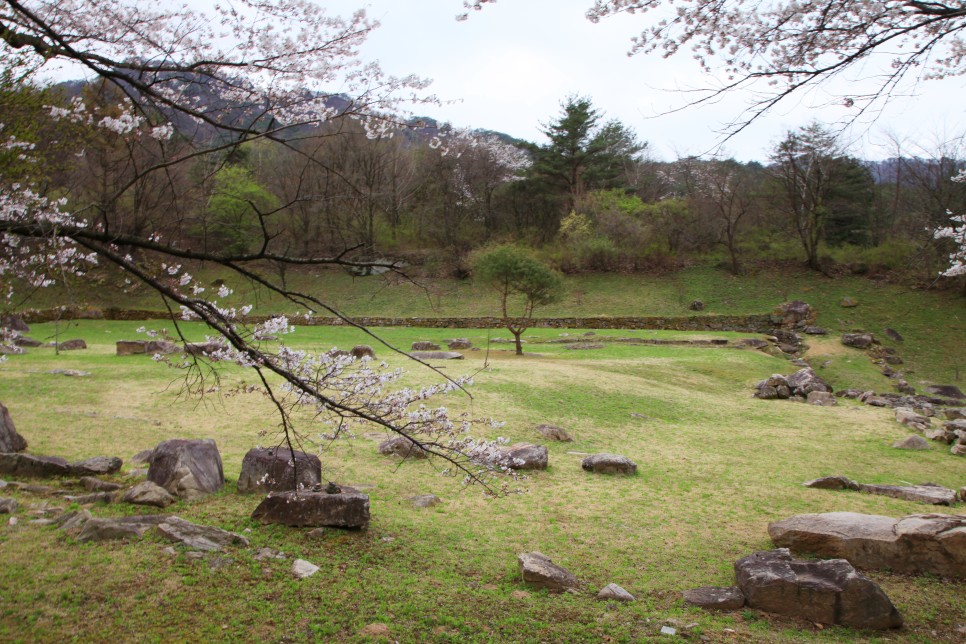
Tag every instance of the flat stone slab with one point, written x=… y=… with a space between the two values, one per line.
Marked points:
x=828 y=592
x=436 y=355
x=148 y=493
x=120 y=528
x=917 y=543
x=832 y=483
x=613 y=592
x=538 y=570
x=28 y=465
x=932 y=494
x=199 y=537
x=346 y=509
x=715 y=597
x=96 y=466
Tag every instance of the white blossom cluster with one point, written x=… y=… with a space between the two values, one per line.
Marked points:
x=956 y=232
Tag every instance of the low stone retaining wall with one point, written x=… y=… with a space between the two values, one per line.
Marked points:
x=737 y=323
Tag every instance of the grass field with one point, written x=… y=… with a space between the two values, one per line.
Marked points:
x=715 y=466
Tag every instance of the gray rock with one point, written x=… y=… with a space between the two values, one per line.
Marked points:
x=958 y=450
x=92 y=484
x=304 y=569
x=848 y=302
x=72 y=345
x=752 y=343
x=527 y=456
x=10 y=440
x=909 y=418
x=94 y=497
x=613 y=592
x=402 y=446
x=892 y=334
x=425 y=500
x=459 y=344
x=436 y=355
x=199 y=537
x=828 y=592
x=425 y=346
x=955 y=425
x=956 y=413
x=696 y=305
x=346 y=509
x=114 y=529
x=794 y=313
x=70 y=373
x=821 y=399
x=276 y=470
x=931 y=494
x=8 y=505
x=858 y=340
x=716 y=597
x=554 y=433
x=143 y=457
x=918 y=543
x=939 y=435
x=148 y=493
x=538 y=570
x=96 y=465
x=805 y=381
x=203 y=349
x=14 y=323
x=188 y=469
x=609 y=464
x=73 y=521
x=914 y=442
x=264 y=554
x=832 y=483
x=815 y=330
x=946 y=391
x=28 y=465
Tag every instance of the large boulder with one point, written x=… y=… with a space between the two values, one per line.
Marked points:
x=918 y=543
x=828 y=592
x=189 y=469
x=278 y=469
x=795 y=313
x=402 y=446
x=858 y=340
x=805 y=381
x=526 y=456
x=10 y=440
x=538 y=570
x=609 y=464
x=28 y=465
x=346 y=508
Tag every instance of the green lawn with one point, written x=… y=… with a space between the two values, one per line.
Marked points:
x=715 y=466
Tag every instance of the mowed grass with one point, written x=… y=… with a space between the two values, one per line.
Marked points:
x=715 y=466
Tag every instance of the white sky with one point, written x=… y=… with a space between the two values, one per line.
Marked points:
x=511 y=65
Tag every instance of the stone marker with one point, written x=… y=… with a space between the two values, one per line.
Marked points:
x=188 y=469
x=828 y=592
x=199 y=537
x=10 y=440
x=715 y=597
x=275 y=470
x=918 y=543
x=538 y=570
x=613 y=592
x=609 y=464
x=348 y=508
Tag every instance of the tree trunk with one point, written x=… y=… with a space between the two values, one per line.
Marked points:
x=519 y=343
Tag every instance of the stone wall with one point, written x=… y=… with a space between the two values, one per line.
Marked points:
x=738 y=323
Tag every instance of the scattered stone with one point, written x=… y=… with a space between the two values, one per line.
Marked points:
x=821 y=399
x=554 y=433
x=10 y=440
x=436 y=355
x=801 y=383
x=794 y=313
x=828 y=592
x=141 y=347
x=848 y=302
x=73 y=521
x=696 y=305
x=96 y=497
x=148 y=493
x=931 y=494
x=958 y=425
x=958 y=450
x=752 y=343
x=527 y=456
x=189 y=469
x=956 y=413
x=28 y=465
x=267 y=553
x=613 y=592
x=27 y=343
x=304 y=569
x=425 y=346
x=609 y=464
x=120 y=528
x=143 y=457
x=940 y=435
x=12 y=521
x=361 y=351
x=909 y=418
x=92 y=484
x=276 y=469
x=538 y=570
x=459 y=344
x=584 y=346
x=918 y=543
x=72 y=345
x=858 y=340
x=946 y=391
x=318 y=533
x=815 y=330
x=14 y=323
x=96 y=465
x=425 y=500
x=70 y=373
x=346 y=509
x=892 y=334
x=715 y=597
x=914 y=442
x=8 y=505
x=199 y=537
x=403 y=447
x=669 y=630
x=204 y=349
x=832 y=483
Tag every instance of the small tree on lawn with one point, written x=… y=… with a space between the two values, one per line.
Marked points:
x=516 y=275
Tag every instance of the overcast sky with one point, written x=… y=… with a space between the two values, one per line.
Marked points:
x=510 y=66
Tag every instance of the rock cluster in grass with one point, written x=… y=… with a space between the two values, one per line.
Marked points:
x=798 y=385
